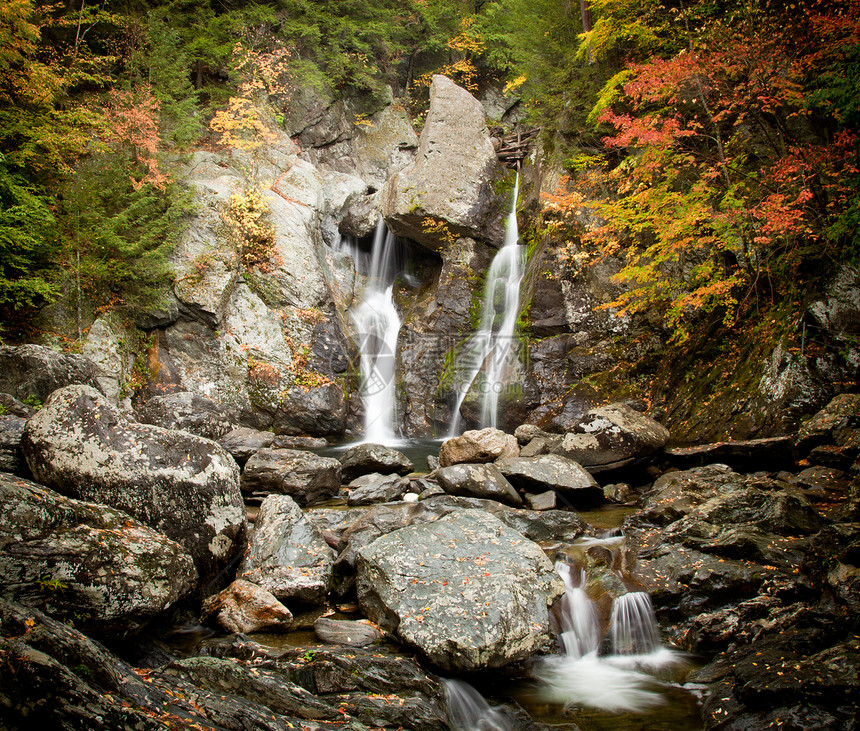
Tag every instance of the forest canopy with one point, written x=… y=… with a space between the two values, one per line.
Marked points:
x=715 y=139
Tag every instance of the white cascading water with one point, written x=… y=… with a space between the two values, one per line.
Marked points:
x=490 y=348
x=468 y=711
x=612 y=682
x=377 y=325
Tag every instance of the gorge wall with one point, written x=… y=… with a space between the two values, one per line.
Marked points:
x=273 y=341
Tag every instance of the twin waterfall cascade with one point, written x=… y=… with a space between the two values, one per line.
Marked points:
x=608 y=669
x=487 y=355
x=377 y=325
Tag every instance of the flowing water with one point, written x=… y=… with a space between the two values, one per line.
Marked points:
x=377 y=326
x=486 y=357
x=468 y=711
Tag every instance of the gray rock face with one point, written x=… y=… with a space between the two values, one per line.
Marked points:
x=243 y=443
x=306 y=477
x=36 y=371
x=480 y=481
x=86 y=563
x=11 y=457
x=376 y=488
x=611 y=435
x=245 y=607
x=835 y=424
x=478 y=446
x=184 y=486
x=363 y=459
x=551 y=471
x=316 y=411
x=287 y=555
x=467 y=591
x=452 y=177
x=750 y=455
x=190 y=412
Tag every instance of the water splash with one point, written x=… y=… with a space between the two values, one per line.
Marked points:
x=580 y=622
x=488 y=352
x=468 y=711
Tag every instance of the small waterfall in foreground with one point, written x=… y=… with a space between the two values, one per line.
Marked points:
x=585 y=674
x=468 y=711
x=377 y=325
x=488 y=351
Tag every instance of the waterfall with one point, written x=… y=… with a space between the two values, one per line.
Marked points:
x=377 y=325
x=488 y=351
x=468 y=711
x=612 y=682
x=633 y=626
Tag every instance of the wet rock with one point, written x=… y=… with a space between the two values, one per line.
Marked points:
x=452 y=177
x=86 y=563
x=432 y=462
x=245 y=607
x=554 y=472
x=753 y=455
x=345 y=632
x=334 y=521
x=190 y=412
x=610 y=436
x=480 y=481
x=541 y=445
x=675 y=494
x=243 y=443
x=304 y=476
x=620 y=492
x=35 y=371
x=526 y=432
x=380 y=687
x=287 y=555
x=478 y=446
x=364 y=459
x=182 y=485
x=476 y=595
x=318 y=411
x=826 y=426
x=376 y=488
x=285 y=441
x=11 y=455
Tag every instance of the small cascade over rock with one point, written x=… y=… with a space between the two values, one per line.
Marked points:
x=468 y=711
x=608 y=664
x=487 y=356
x=377 y=326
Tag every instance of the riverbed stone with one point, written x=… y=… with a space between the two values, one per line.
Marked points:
x=11 y=455
x=478 y=480
x=190 y=412
x=36 y=371
x=478 y=446
x=363 y=459
x=245 y=607
x=475 y=596
x=243 y=443
x=287 y=555
x=376 y=488
x=179 y=484
x=552 y=471
x=86 y=563
x=304 y=476
x=610 y=436
x=346 y=632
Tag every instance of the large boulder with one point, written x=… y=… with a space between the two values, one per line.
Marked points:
x=480 y=481
x=553 y=472
x=452 y=177
x=477 y=446
x=475 y=594
x=287 y=555
x=363 y=459
x=190 y=412
x=611 y=436
x=179 y=484
x=35 y=371
x=376 y=488
x=244 y=442
x=87 y=564
x=305 y=476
